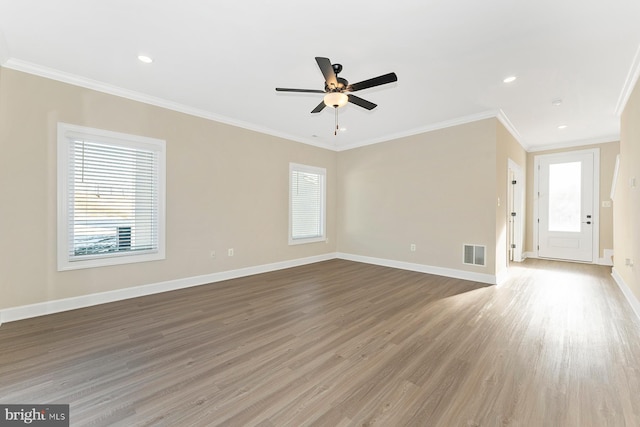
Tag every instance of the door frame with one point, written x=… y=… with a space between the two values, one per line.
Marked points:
x=595 y=240
x=518 y=204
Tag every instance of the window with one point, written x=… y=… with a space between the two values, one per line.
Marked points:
x=111 y=198
x=565 y=194
x=307 y=199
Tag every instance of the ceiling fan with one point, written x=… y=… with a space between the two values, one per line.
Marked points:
x=337 y=90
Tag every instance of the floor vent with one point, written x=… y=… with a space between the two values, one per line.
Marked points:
x=473 y=254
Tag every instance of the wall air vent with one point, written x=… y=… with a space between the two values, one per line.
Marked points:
x=473 y=254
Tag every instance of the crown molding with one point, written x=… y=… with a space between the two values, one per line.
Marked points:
x=499 y=114
x=575 y=143
x=629 y=84
x=502 y=118
x=423 y=129
x=61 y=76
x=72 y=79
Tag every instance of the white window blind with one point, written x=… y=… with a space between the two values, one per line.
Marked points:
x=112 y=199
x=307 y=204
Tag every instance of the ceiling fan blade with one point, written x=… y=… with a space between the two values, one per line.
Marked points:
x=361 y=102
x=284 y=89
x=327 y=71
x=319 y=108
x=376 y=81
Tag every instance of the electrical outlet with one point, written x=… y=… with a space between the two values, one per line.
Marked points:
x=606 y=203
x=413 y=247
x=212 y=254
x=230 y=252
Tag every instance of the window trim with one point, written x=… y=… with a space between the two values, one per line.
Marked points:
x=323 y=220
x=66 y=134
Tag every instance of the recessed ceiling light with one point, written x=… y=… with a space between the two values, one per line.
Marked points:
x=510 y=79
x=556 y=102
x=146 y=59
x=562 y=127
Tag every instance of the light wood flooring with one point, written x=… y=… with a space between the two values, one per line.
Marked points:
x=340 y=343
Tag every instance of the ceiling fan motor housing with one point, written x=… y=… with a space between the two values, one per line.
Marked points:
x=342 y=85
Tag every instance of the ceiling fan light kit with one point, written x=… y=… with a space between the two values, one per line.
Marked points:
x=337 y=90
x=335 y=99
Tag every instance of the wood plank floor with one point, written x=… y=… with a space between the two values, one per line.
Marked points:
x=340 y=343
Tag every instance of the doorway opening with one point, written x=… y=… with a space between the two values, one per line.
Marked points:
x=515 y=212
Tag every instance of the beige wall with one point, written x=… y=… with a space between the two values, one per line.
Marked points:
x=436 y=190
x=626 y=204
x=507 y=148
x=226 y=188
x=608 y=153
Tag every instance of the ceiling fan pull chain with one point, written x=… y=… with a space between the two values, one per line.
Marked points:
x=335 y=132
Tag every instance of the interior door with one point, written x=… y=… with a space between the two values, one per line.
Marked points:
x=566 y=211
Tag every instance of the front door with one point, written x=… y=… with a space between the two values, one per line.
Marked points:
x=566 y=209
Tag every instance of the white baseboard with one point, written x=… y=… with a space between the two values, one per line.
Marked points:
x=607 y=259
x=628 y=293
x=423 y=268
x=56 y=306
x=600 y=261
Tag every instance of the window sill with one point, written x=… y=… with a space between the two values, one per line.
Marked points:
x=293 y=242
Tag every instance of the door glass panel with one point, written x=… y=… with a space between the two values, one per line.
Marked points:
x=564 y=196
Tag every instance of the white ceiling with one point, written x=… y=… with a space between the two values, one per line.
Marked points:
x=223 y=60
